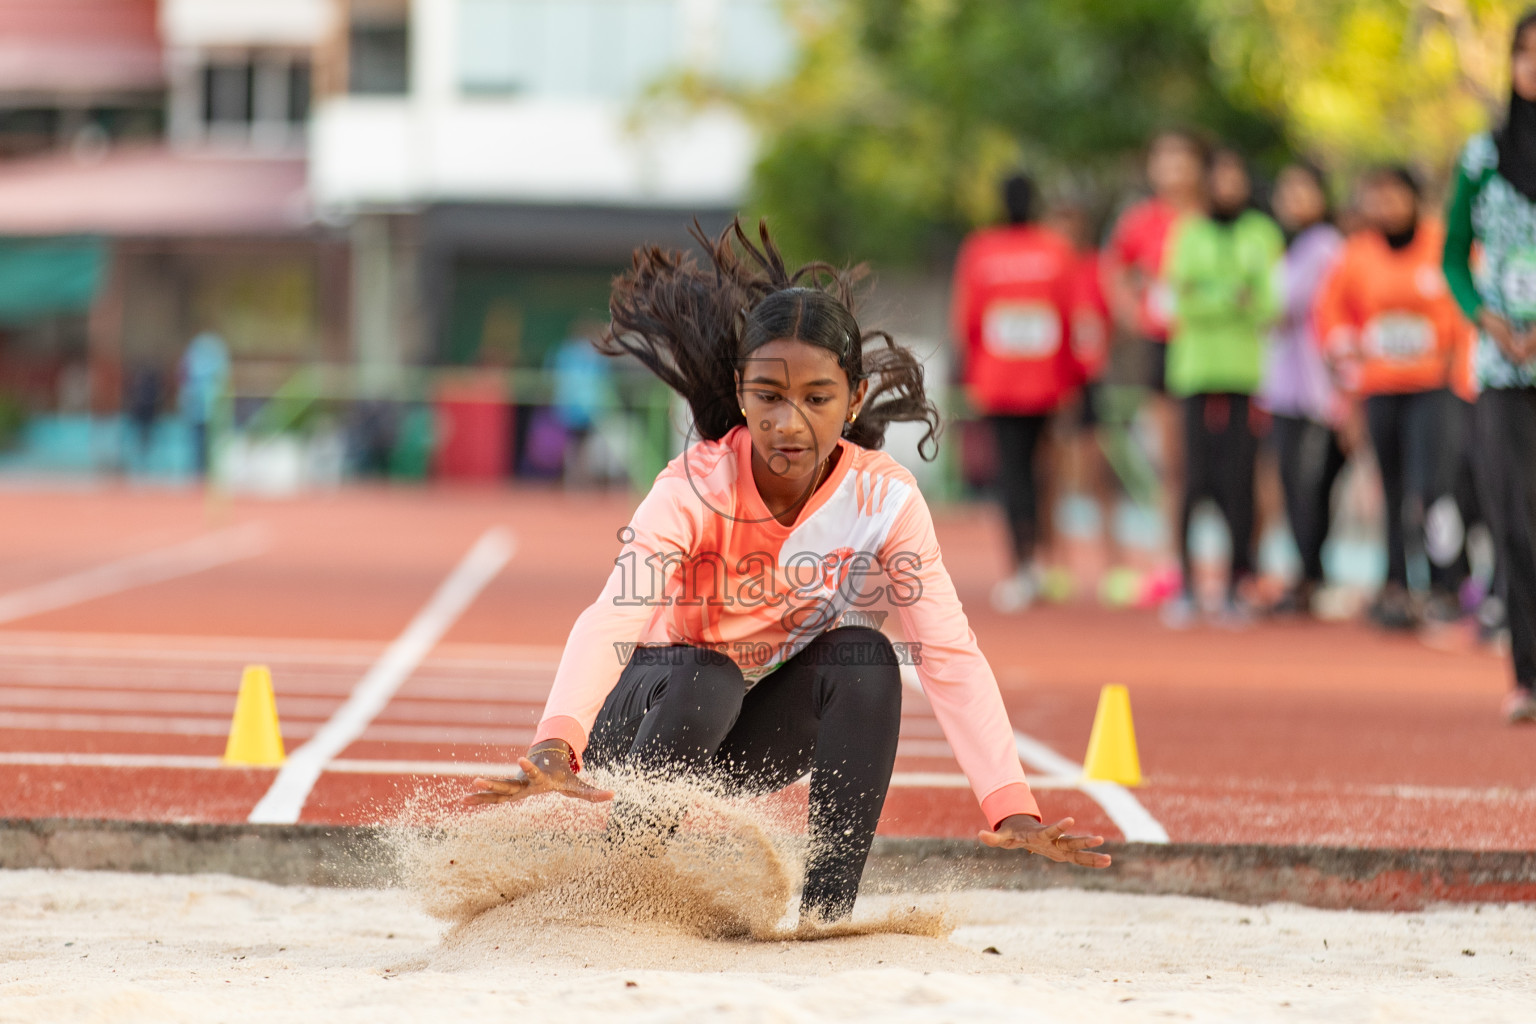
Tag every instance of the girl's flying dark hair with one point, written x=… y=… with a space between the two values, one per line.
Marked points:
x=694 y=326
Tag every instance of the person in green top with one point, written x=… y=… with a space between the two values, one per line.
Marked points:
x=1221 y=268
x=1494 y=205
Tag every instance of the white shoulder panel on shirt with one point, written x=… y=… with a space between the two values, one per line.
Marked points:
x=858 y=516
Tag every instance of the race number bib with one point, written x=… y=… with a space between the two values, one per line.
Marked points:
x=1160 y=304
x=1399 y=337
x=1518 y=284
x=1021 y=330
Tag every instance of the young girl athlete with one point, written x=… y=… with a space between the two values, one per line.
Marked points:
x=740 y=568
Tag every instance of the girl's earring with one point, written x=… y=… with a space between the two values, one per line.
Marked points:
x=743 y=412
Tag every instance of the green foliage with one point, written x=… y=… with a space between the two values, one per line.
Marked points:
x=1370 y=80
x=890 y=138
x=13 y=419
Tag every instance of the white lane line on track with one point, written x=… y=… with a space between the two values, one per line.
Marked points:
x=381 y=732
x=225 y=681
x=241 y=649
x=302 y=729
x=899 y=780
x=157 y=566
x=415 y=710
x=1130 y=817
x=368 y=766
x=285 y=799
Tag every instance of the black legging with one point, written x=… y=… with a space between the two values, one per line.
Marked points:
x=834 y=709
x=1220 y=448
x=1506 y=434
x=1017 y=440
x=1310 y=463
x=1417 y=438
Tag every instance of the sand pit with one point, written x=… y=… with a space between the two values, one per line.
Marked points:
x=82 y=946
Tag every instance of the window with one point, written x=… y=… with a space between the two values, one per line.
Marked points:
x=298 y=92
x=610 y=48
x=227 y=93
x=261 y=94
x=379 y=58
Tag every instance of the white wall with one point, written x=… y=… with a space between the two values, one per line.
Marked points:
x=553 y=129
x=371 y=150
x=246 y=22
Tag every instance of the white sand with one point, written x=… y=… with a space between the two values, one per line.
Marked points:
x=81 y=946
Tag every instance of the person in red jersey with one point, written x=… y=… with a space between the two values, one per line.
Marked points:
x=1015 y=289
x=1138 y=293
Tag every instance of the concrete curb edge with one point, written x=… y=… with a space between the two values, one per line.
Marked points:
x=1383 y=879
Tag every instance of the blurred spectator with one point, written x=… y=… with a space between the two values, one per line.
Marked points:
x=1306 y=409
x=1392 y=332
x=1494 y=206
x=142 y=405
x=1088 y=469
x=1222 y=269
x=373 y=428
x=583 y=396
x=204 y=378
x=1135 y=285
x=1014 y=296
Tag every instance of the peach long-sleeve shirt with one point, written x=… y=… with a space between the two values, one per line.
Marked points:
x=703 y=562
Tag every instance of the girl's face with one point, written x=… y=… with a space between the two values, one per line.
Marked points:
x=797 y=399
x=1299 y=201
x=1522 y=77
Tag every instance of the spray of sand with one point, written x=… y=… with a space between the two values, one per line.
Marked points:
x=508 y=877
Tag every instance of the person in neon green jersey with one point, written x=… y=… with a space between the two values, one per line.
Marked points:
x=1222 y=268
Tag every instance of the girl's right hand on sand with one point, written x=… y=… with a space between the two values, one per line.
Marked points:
x=547 y=770
x=1021 y=832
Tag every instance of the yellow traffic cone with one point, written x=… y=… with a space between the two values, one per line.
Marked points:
x=255 y=738
x=1112 y=744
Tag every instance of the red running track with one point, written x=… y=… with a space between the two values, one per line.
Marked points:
x=121 y=649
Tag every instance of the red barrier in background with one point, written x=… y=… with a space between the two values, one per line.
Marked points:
x=474 y=427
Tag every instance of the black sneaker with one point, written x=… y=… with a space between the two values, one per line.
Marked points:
x=1297 y=600
x=1442 y=609
x=1393 y=610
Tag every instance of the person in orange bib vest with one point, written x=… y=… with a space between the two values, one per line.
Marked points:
x=1393 y=336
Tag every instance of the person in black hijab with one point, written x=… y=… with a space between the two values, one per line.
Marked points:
x=1516 y=139
x=1493 y=206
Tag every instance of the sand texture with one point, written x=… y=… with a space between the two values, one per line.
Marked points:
x=79 y=946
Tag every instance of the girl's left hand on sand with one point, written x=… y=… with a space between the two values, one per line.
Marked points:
x=1021 y=832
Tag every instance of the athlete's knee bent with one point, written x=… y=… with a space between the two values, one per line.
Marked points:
x=862 y=666
x=704 y=693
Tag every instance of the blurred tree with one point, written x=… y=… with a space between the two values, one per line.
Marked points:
x=889 y=139
x=1369 y=80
